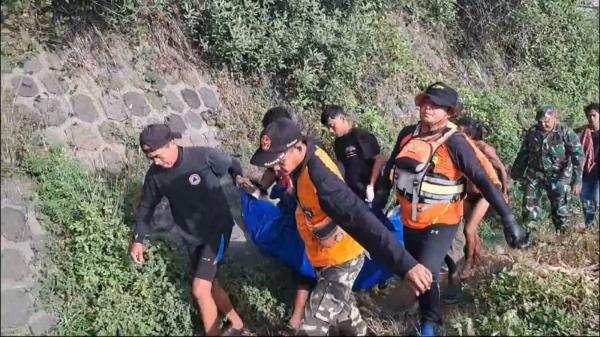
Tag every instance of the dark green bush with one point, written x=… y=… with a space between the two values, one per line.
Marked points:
x=540 y=303
x=318 y=51
x=102 y=292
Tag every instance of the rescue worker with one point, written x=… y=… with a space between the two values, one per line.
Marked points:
x=335 y=225
x=590 y=192
x=284 y=190
x=550 y=160
x=427 y=168
x=357 y=150
x=189 y=178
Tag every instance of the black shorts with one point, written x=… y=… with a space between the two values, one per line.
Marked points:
x=206 y=259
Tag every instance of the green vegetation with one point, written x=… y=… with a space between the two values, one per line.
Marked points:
x=513 y=56
x=102 y=292
x=539 y=302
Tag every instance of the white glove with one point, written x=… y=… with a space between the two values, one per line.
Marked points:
x=370 y=193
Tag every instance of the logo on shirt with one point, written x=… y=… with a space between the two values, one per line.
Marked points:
x=350 y=151
x=194 y=179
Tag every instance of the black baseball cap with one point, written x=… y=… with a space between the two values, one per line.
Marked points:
x=275 y=139
x=440 y=94
x=274 y=114
x=545 y=111
x=155 y=136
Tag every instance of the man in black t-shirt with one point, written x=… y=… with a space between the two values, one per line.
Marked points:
x=189 y=178
x=357 y=150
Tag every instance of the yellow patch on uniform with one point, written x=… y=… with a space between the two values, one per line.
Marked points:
x=436 y=159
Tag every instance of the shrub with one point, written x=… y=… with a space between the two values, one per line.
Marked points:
x=318 y=51
x=534 y=302
x=101 y=290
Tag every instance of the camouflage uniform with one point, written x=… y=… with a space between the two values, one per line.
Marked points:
x=332 y=303
x=550 y=163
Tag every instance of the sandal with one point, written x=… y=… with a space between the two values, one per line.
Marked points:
x=231 y=331
x=288 y=330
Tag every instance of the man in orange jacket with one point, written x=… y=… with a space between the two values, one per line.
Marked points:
x=429 y=163
x=335 y=225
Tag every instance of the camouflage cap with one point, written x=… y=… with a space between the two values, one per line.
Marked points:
x=545 y=111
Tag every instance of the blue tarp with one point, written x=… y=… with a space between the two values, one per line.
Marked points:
x=273 y=230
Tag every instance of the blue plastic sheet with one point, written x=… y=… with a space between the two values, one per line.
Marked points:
x=273 y=230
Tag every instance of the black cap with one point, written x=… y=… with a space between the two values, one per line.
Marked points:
x=545 y=111
x=155 y=136
x=276 y=138
x=440 y=94
x=274 y=114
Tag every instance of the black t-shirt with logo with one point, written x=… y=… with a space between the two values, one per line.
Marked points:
x=192 y=186
x=356 y=151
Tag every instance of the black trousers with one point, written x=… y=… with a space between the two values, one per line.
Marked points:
x=429 y=246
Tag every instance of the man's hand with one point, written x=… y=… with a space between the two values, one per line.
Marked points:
x=137 y=253
x=246 y=184
x=513 y=233
x=370 y=193
x=419 y=278
x=473 y=248
x=576 y=188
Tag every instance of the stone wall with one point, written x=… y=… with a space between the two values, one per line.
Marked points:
x=96 y=117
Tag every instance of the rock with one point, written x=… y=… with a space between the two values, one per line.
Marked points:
x=83 y=108
x=38 y=244
x=209 y=98
x=209 y=117
x=14 y=226
x=41 y=322
x=191 y=98
x=83 y=137
x=24 y=86
x=193 y=119
x=32 y=66
x=173 y=101
x=136 y=103
x=111 y=161
x=155 y=101
x=116 y=83
x=15 y=304
x=54 y=111
x=176 y=123
x=55 y=84
x=112 y=132
x=6 y=66
x=14 y=267
x=190 y=77
x=18 y=191
x=54 y=61
x=114 y=107
x=156 y=82
x=54 y=136
x=28 y=115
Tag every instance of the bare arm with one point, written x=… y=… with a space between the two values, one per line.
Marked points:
x=380 y=161
x=492 y=155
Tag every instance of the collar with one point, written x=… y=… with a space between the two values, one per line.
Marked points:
x=179 y=157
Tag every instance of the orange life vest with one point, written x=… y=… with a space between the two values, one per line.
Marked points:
x=430 y=187
x=310 y=216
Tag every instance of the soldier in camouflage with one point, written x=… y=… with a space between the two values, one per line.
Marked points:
x=550 y=160
x=332 y=303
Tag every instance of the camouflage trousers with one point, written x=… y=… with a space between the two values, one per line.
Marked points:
x=558 y=194
x=332 y=303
